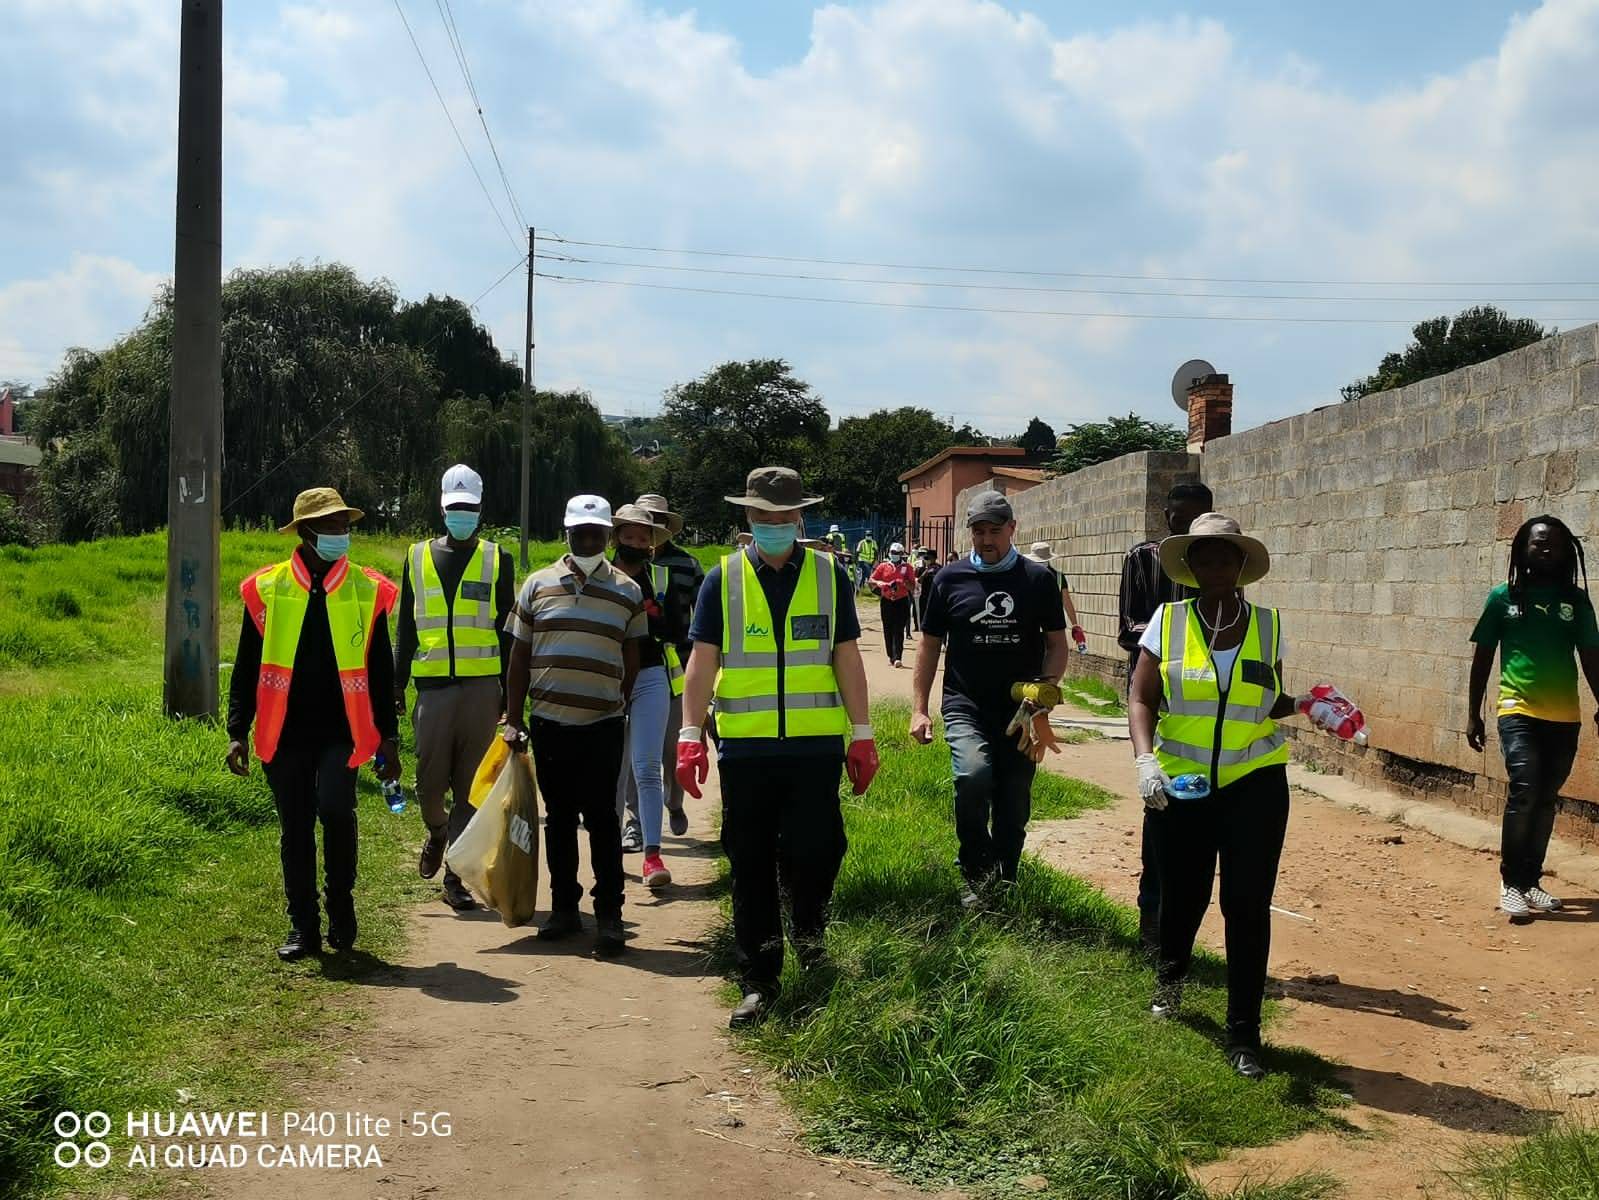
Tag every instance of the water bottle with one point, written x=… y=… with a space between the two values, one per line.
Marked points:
x=1335 y=712
x=1189 y=787
x=393 y=791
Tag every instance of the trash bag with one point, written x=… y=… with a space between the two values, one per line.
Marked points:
x=497 y=854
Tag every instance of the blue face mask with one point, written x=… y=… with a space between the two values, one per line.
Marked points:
x=330 y=547
x=1003 y=564
x=461 y=525
x=774 y=539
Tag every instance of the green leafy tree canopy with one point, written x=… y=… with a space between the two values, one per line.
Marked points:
x=1100 y=441
x=1442 y=345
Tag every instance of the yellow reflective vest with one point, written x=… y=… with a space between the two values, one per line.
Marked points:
x=455 y=636
x=1223 y=735
x=767 y=690
x=660 y=581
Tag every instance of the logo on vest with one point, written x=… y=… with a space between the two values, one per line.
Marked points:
x=358 y=637
x=751 y=629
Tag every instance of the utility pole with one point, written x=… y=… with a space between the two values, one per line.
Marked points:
x=527 y=398
x=194 y=475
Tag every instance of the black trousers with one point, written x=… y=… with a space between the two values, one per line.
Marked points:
x=783 y=834
x=1243 y=825
x=896 y=616
x=309 y=784
x=577 y=766
x=1538 y=758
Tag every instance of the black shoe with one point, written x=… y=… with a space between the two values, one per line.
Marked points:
x=456 y=895
x=609 y=939
x=678 y=819
x=750 y=1011
x=811 y=951
x=341 y=936
x=1167 y=1001
x=1246 y=1062
x=560 y=924
x=432 y=857
x=299 y=945
x=632 y=838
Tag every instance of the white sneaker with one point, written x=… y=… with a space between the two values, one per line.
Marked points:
x=1541 y=901
x=1513 y=902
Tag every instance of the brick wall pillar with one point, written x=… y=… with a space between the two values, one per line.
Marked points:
x=1210 y=410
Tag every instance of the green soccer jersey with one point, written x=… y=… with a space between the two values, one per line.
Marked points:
x=1537 y=640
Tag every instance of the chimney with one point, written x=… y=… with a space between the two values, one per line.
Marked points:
x=7 y=408
x=1210 y=410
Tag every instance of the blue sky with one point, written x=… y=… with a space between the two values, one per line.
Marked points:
x=1415 y=142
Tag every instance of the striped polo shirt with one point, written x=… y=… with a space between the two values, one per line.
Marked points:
x=576 y=635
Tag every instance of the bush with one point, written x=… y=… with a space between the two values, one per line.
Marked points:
x=16 y=527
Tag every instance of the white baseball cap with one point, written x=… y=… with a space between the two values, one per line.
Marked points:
x=588 y=510
x=462 y=485
x=897 y=548
x=832 y=529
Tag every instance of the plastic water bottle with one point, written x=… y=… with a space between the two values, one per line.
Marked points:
x=393 y=791
x=1189 y=787
x=1335 y=712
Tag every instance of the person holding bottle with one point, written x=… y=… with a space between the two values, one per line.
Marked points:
x=894 y=581
x=313 y=651
x=1044 y=554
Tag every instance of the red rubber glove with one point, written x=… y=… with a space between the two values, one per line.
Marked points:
x=1080 y=636
x=693 y=765
x=861 y=764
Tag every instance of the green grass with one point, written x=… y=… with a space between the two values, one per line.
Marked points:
x=977 y=1049
x=1097 y=696
x=1557 y=1163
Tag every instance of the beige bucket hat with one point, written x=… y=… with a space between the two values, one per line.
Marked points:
x=1174 y=550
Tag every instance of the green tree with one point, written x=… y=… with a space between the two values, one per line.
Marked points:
x=859 y=470
x=1038 y=438
x=1100 y=441
x=736 y=417
x=1442 y=345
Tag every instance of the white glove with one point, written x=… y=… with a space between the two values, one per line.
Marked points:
x=1152 y=782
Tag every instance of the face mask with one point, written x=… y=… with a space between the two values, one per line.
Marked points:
x=330 y=547
x=774 y=539
x=899 y=558
x=587 y=563
x=1003 y=564
x=461 y=525
x=631 y=556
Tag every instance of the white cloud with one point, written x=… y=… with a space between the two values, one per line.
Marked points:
x=86 y=304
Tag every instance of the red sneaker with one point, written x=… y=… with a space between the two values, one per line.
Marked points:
x=655 y=873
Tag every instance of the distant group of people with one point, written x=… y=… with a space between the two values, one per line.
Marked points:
x=623 y=663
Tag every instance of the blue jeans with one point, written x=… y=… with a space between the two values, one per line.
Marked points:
x=1538 y=757
x=646 y=727
x=993 y=796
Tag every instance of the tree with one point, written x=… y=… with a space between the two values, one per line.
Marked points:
x=860 y=468
x=1100 y=441
x=1442 y=345
x=736 y=417
x=1038 y=437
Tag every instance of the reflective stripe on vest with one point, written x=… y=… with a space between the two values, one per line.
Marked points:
x=1205 y=731
x=455 y=635
x=660 y=580
x=276 y=598
x=762 y=692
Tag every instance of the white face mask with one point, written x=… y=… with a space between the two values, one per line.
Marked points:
x=587 y=563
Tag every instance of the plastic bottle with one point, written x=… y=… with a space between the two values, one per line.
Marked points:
x=393 y=791
x=1189 y=787
x=1335 y=712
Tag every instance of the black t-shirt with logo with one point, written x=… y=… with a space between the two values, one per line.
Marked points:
x=993 y=625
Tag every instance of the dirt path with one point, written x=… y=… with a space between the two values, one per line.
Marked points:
x=564 y=1075
x=1452 y=1022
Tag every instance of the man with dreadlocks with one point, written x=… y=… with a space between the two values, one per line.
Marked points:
x=1536 y=619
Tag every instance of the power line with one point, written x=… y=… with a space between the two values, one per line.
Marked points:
x=339 y=416
x=422 y=58
x=1011 y=287
x=1020 y=312
x=453 y=33
x=892 y=266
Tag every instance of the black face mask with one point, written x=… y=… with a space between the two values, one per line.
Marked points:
x=631 y=556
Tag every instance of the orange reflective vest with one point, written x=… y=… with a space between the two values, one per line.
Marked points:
x=276 y=598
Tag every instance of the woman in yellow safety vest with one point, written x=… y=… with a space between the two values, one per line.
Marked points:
x=1205 y=698
x=660 y=675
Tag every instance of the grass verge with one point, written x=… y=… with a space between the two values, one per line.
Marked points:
x=1557 y=1163
x=1097 y=696
x=976 y=1050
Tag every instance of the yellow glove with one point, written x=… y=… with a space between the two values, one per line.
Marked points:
x=1040 y=695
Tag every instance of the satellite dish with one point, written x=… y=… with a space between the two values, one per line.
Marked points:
x=1194 y=368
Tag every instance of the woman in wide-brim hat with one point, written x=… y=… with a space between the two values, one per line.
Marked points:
x=1205 y=698
x=635 y=534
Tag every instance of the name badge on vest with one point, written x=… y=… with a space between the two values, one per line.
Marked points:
x=810 y=629
x=476 y=590
x=1259 y=673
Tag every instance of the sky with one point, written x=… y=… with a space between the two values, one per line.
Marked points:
x=1125 y=174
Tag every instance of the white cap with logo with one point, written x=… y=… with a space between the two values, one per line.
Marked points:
x=588 y=510
x=462 y=485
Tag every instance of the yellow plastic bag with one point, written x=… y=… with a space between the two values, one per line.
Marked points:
x=497 y=854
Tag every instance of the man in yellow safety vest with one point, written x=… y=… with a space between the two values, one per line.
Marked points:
x=455 y=595
x=313 y=649
x=775 y=640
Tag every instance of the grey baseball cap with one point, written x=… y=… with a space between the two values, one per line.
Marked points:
x=989 y=506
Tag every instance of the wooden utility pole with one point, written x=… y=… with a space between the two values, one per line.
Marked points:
x=527 y=398
x=194 y=476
